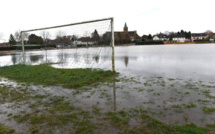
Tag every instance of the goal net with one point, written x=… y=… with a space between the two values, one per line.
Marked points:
x=88 y=44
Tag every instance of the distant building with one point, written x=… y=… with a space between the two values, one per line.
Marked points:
x=85 y=41
x=199 y=36
x=179 y=38
x=126 y=35
x=63 y=46
x=211 y=40
x=162 y=37
x=144 y=38
x=4 y=44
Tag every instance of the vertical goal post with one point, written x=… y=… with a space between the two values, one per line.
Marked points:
x=73 y=24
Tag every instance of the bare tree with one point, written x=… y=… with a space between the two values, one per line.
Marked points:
x=86 y=34
x=1 y=36
x=208 y=31
x=18 y=37
x=167 y=32
x=61 y=37
x=25 y=36
x=60 y=34
x=45 y=35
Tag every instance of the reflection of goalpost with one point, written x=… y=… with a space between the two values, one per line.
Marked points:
x=103 y=27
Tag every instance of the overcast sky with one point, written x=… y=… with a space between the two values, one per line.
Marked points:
x=145 y=16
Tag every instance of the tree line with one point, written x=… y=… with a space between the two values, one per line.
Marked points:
x=61 y=38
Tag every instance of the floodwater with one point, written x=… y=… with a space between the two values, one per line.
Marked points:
x=174 y=83
x=178 y=61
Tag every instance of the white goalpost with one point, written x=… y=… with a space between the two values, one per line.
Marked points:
x=87 y=44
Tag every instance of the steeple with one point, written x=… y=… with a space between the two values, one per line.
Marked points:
x=125 y=28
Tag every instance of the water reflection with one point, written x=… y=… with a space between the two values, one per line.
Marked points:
x=36 y=58
x=60 y=56
x=46 y=56
x=14 y=59
x=114 y=96
x=76 y=57
x=96 y=58
x=87 y=59
x=126 y=60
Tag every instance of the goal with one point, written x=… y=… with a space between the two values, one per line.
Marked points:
x=87 y=44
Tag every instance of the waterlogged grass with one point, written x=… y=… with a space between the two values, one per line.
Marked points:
x=119 y=119
x=8 y=94
x=48 y=113
x=86 y=123
x=6 y=130
x=46 y=75
x=208 y=110
x=152 y=126
x=56 y=112
x=191 y=105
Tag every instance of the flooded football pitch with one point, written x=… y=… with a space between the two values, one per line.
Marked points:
x=173 y=83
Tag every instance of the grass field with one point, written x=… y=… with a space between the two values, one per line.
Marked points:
x=49 y=76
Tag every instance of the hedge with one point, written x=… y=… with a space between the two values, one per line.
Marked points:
x=149 y=43
x=202 y=41
x=26 y=47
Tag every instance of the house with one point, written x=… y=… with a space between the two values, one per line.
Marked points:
x=162 y=37
x=85 y=41
x=211 y=39
x=156 y=37
x=144 y=38
x=199 y=36
x=4 y=44
x=63 y=46
x=179 y=38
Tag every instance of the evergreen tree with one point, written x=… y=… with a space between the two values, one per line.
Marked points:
x=12 y=41
x=188 y=35
x=34 y=39
x=170 y=37
x=182 y=32
x=150 y=37
x=95 y=36
x=106 y=38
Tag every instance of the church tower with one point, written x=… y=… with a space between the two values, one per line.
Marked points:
x=125 y=28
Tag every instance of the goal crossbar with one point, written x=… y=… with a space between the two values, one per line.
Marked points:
x=72 y=24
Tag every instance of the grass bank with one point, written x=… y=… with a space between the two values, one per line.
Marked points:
x=47 y=75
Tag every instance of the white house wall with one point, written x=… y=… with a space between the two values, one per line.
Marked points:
x=156 y=38
x=179 y=39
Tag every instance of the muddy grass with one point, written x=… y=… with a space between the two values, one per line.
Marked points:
x=124 y=106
